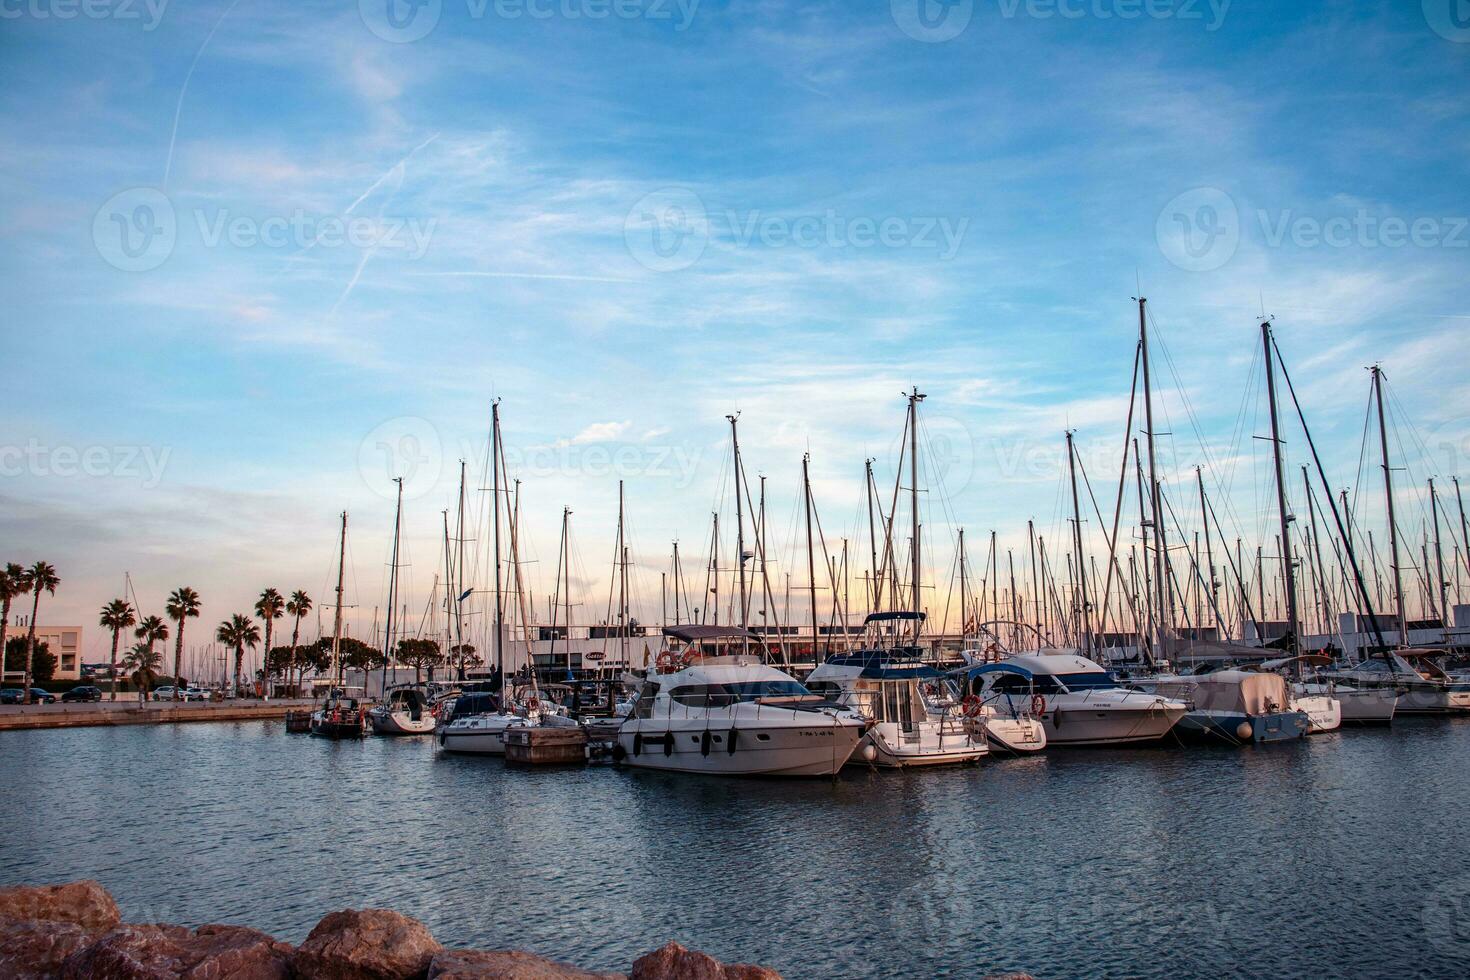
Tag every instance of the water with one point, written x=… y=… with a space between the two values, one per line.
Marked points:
x=1341 y=855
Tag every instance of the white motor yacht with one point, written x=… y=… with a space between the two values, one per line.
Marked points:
x=733 y=715
x=478 y=722
x=1076 y=699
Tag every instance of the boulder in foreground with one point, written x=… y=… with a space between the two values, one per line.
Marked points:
x=674 y=962
x=84 y=903
x=160 y=952
x=471 y=964
x=367 y=944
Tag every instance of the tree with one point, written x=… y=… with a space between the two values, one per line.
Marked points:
x=269 y=607
x=43 y=661
x=352 y=653
x=151 y=630
x=117 y=616
x=315 y=656
x=238 y=632
x=39 y=576
x=419 y=653
x=183 y=603
x=465 y=655
x=298 y=606
x=144 y=663
x=12 y=584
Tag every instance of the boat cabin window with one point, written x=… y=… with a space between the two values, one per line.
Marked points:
x=1087 y=681
x=724 y=695
x=827 y=689
x=1016 y=684
x=644 y=706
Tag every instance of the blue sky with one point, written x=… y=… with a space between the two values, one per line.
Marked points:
x=342 y=237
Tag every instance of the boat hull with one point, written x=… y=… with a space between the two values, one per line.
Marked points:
x=675 y=745
x=1016 y=734
x=929 y=744
x=401 y=723
x=1234 y=728
x=1094 y=725
x=1367 y=707
x=483 y=735
x=1324 y=713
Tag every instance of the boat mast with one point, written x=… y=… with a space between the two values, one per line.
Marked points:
x=917 y=602
x=1464 y=529
x=875 y=584
x=556 y=596
x=1165 y=609
x=1393 y=535
x=392 y=585
x=459 y=579
x=1085 y=636
x=739 y=530
x=622 y=569
x=1288 y=570
x=337 y=615
x=495 y=507
x=963 y=591
x=1439 y=558
x=811 y=565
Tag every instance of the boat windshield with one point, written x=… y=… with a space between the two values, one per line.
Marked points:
x=1087 y=681
x=724 y=695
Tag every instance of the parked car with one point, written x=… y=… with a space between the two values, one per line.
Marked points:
x=39 y=696
x=12 y=695
x=195 y=694
x=166 y=693
x=83 y=693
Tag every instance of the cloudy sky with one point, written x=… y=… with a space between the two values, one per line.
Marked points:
x=259 y=256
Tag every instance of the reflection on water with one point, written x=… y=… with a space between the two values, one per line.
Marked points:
x=1339 y=855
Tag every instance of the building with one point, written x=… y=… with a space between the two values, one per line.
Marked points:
x=64 y=642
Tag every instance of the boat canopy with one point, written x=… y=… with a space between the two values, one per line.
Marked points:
x=973 y=672
x=1241 y=691
x=880 y=665
x=897 y=614
x=695 y=633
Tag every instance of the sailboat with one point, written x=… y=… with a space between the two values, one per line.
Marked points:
x=339 y=716
x=885 y=679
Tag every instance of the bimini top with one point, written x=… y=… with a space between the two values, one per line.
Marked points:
x=997 y=668
x=888 y=617
x=695 y=633
x=882 y=665
x=1062 y=662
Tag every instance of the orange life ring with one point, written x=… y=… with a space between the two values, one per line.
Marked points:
x=533 y=704
x=970 y=706
x=1038 y=704
x=666 y=662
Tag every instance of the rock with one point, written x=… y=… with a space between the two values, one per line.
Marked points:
x=163 y=952
x=371 y=944
x=470 y=964
x=673 y=962
x=85 y=903
x=33 y=950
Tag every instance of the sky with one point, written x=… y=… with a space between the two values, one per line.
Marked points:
x=259 y=257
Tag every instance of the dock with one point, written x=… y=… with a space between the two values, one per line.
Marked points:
x=130 y=712
x=546 y=746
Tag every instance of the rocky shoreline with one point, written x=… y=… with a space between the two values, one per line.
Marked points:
x=75 y=932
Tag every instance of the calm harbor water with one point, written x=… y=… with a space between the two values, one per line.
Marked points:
x=1342 y=855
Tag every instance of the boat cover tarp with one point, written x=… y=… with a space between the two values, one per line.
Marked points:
x=995 y=669
x=898 y=614
x=1235 y=691
x=695 y=633
x=1176 y=648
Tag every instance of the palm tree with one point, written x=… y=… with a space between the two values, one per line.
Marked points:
x=12 y=584
x=298 y=606
x=239 y=631
x=39 y=576
x=268 y=607
x=117 y=616
x=145 y=663
x=183 y=603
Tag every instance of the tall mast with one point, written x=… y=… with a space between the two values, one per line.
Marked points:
x=964 y=594
x=459 y=578
x=1214 y=587
x=1328 y=605
x=917 y=600
x=1393 y=534
x=622 y=569
x=337 y=615
x=1443 y=583
x=1085 y=634
x=499 y=597
x=1288 y=570
x=1464 y=528
x=739 y=528
x=1165 y=611
x=392 y=584
x=556 y=596
x=811 y=565
x=449 y=591
x=875 y=587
